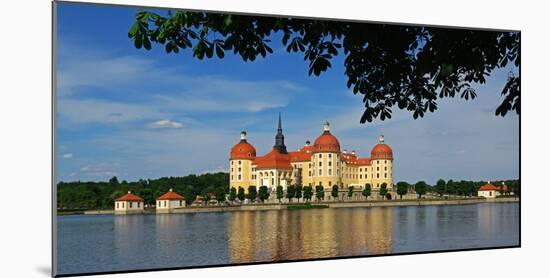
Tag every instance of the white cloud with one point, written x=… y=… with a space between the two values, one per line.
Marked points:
x=67 y=156
x=100 y=170
x=164 y=124
x=162 y=92
x=103 y=111
x=217 y=169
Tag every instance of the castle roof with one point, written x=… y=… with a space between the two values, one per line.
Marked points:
x=303 y=154
x=273 y=160
x=326 y=142
x=243 y=149
x=353 y=160
x=381 y=151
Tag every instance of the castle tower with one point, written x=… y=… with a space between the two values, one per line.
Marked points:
x=326 y=159
x=240 y=163
x=382 y=165
x=280 y=138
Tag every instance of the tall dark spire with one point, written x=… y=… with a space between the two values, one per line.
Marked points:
x=280 y=138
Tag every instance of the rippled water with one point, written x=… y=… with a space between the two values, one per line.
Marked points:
x=113 y=243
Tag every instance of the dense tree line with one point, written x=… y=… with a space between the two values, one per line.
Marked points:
x=456 y=188
x=101 y=195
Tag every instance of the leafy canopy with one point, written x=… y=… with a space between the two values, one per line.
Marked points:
x=408 y=67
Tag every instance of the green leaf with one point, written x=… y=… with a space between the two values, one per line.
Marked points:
x=286 y=36
x=138 y=42
x=146 y=43
x=227 y=21
x=133 y=30
x=219 y=52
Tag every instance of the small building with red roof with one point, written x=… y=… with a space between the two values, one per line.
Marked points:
x=129 y=203
x=487 y=190
x=169 y=201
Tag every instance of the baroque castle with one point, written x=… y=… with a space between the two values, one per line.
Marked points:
x=322 y=163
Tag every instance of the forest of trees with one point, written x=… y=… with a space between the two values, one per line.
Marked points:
x=101 y=195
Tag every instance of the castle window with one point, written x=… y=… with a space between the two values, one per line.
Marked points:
x=320 y=163
x=360 y=169
x=273 y=181
x=385 y=168
x=360 y=176
x=377 y=176
x=330 y=172
x=377 y=161
x=231 y=177
x=231 y=162
x=310 y=173
x=239 y=169
x=320 y=172
x=330 y=163
x=385 y=175
x=239 y=177
x=320 y=156
x=329 y=155
x=130 y=204
x=240 y=162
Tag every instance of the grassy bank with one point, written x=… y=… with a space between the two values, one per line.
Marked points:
x=306 y=206
x=70 y=211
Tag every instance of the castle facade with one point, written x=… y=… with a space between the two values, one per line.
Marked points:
x=323 y=163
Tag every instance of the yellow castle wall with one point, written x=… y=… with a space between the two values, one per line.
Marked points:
x=240 y=173
x=331 y=171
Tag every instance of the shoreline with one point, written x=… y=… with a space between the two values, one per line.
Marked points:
x=330 y=205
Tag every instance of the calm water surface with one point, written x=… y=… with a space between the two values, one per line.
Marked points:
x=110 y=243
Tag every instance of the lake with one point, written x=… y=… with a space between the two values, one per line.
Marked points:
x=98 y=243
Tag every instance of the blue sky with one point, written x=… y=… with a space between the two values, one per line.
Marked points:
x=147 y=114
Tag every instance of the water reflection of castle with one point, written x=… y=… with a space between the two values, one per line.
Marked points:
x=292 y=235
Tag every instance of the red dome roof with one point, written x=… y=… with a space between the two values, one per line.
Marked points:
x=381 y=151
x=243 y=150
x=326 y=143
